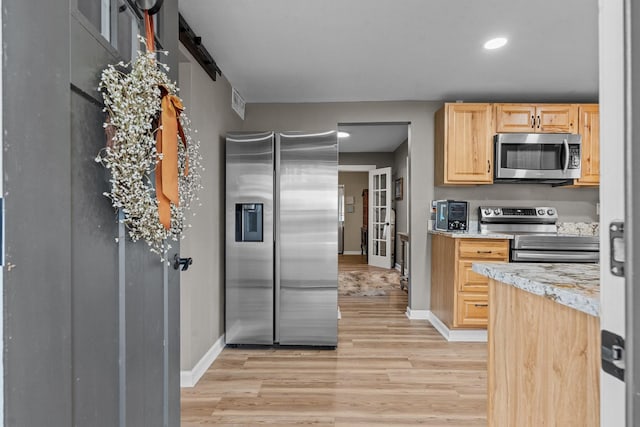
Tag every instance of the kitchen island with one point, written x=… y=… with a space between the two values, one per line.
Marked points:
x=544 y=344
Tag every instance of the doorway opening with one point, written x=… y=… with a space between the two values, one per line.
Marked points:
x=373 y=170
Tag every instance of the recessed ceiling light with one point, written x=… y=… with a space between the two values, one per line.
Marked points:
x=342 y=134
x=496 y=43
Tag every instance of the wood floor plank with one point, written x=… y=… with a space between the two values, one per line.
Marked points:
x=387 y=370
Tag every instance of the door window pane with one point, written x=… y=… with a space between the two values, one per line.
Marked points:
x=97 y=12
x=383 y=181
x=121 y=33
x=383 y=248
x=376 y=182
x=383 y=198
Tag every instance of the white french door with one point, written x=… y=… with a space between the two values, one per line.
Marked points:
x=380 y=218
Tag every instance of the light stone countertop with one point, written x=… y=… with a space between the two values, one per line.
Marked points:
x=471 y=234
x=574 y=285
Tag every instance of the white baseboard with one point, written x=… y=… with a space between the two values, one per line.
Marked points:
x=458 y=335
x=398 y=267
x=339 y=313
x=351 y=253
x=191 y=378
x=418 y=314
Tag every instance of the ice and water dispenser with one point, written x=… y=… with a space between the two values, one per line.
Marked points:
x=249 y=220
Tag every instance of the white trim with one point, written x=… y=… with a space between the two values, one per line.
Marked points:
x=418 y=314
x=191 y=378
x=2 y=242
x=458 y=335
x=356 y=168
x=352 y=253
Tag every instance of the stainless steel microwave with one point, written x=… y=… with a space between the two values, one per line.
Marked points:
x=537 y=157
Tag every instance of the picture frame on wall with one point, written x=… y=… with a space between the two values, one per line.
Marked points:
x=398 y=189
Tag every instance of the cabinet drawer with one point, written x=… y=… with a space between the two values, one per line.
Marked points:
x=470 y=281
x=473 y=310
x=484 y=249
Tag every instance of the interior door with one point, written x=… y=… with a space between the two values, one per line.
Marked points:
x=612 y=196
x=380 y=218
x=125 y=303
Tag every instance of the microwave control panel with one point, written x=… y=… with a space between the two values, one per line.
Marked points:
x=574 y=157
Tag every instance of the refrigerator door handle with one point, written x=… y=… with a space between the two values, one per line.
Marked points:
x=276 y=240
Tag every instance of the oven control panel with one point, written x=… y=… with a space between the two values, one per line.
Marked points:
x=516 y=213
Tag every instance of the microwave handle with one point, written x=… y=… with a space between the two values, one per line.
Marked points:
x=566 y=155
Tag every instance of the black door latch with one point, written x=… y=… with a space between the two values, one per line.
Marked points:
x=184 y=262
x=613 y=355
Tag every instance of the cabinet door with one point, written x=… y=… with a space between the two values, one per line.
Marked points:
x=556 y=118
x=469 y=280
x=472 y=310
x=469 y=144
x=515 y=118
x=481 y=249
x=589 y=129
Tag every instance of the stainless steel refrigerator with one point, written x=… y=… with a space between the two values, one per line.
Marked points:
x=281 y=268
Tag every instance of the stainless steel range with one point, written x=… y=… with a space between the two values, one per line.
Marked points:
x=535 y=235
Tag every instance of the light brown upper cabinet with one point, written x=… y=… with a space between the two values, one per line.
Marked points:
x=464 y=144
x=536 y=118
x=589 y=129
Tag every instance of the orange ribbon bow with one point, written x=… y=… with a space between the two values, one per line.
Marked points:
x=169 y=128
x=167 y=145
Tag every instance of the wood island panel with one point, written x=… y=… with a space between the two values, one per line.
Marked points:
x=543 y=365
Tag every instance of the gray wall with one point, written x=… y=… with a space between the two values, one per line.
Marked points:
x=573 y=204
x=401 y=206
x=354 y=183
x=71 y=303
x=381 y=160
x=323 y=116
x=202 y=289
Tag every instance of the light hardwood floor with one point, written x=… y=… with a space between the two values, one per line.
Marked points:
x=387 y=370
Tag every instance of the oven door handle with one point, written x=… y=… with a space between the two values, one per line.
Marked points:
x=566 y=155
x=554 y=256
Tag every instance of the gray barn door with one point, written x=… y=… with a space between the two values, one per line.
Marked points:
x=92 y=329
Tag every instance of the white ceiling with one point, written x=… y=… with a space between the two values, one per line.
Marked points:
x=364 y=50
x=372 y=138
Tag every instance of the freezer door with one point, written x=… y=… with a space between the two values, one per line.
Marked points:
x=308 y=239
x=249 y=283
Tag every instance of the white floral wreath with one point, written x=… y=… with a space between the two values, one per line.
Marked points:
x=132 y=101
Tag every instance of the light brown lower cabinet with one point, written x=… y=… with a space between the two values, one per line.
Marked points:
x=459 y=297
x=544 y=360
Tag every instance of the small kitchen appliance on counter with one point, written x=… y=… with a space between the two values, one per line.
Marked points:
x=452 y=215
x=535 y=235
